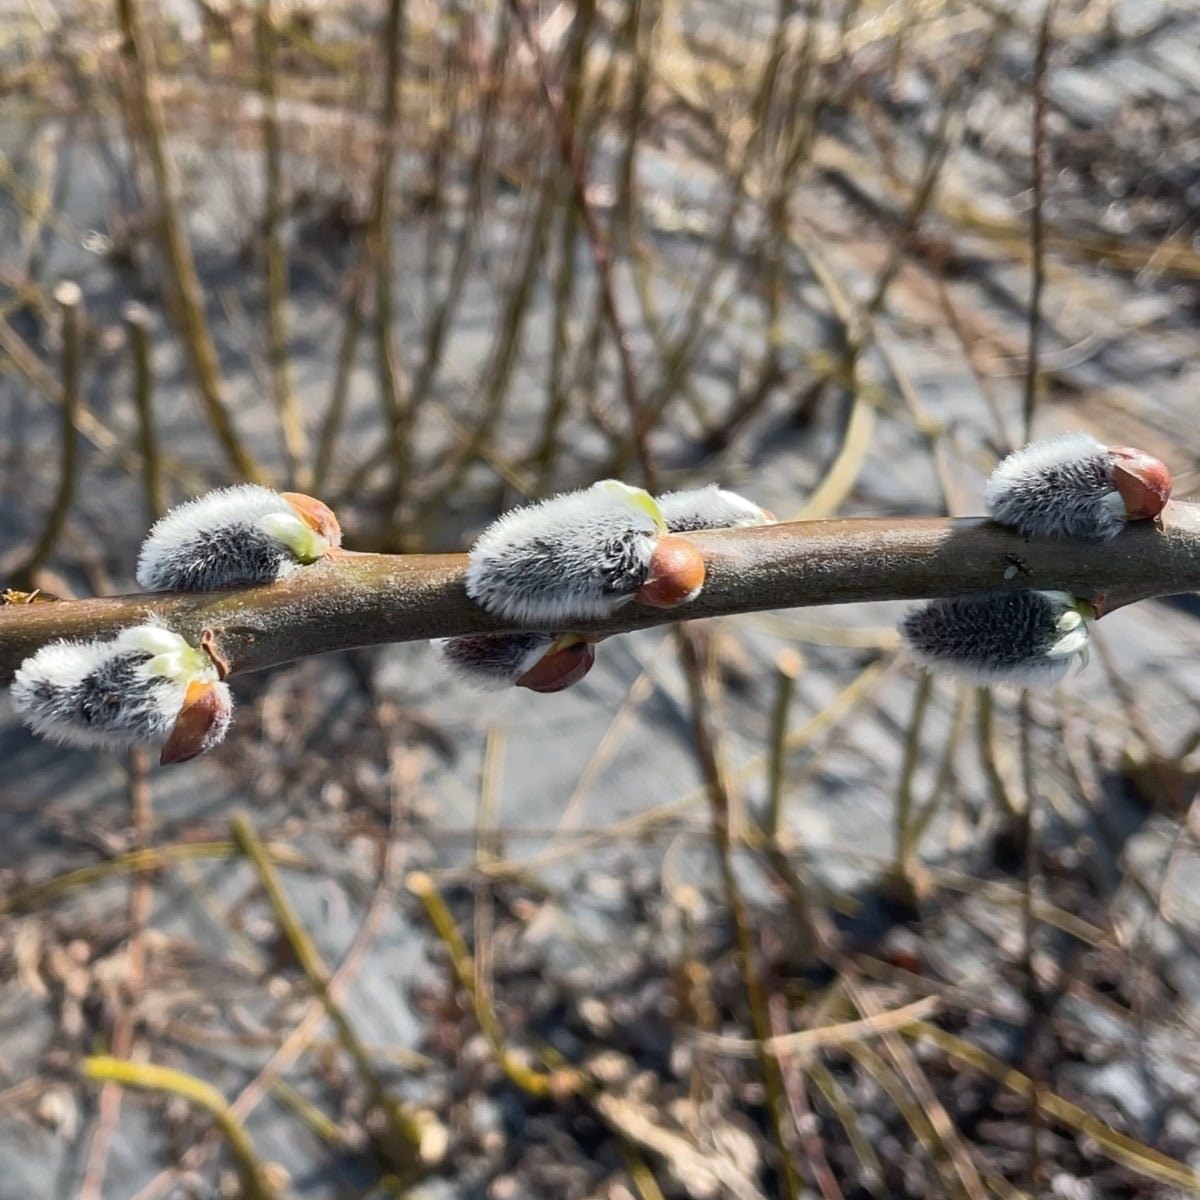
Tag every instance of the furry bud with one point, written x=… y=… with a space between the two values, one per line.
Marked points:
x=237 y=536
x=710 y=508
x=1024 y=638
x=147 y=685
x=541 y=662
x=579 y=555
x=1073 y=486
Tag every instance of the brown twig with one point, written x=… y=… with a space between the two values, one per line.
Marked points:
x=564 y=286
x=1036 y=222
x=597 y=240
x=807 y=1130
x=70 y=300
x=397 y=409
x=362 y=600
x=138 y=322
x=140 y=901
x=757 y=996
x=417 y=1137
x=304 y=1032
x=788 y=667
x=441 y=321
x=188 y=298
x=1035 y=1005
x=331 y=426
x=291 y=423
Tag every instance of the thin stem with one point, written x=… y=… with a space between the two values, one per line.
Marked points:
x=985 y=732
x=1036 y=227
x=441 y=322
x=788 y=667
x=137 y=329
x=1034 y=1002
x=557 y=388
x=905 y=841
x=197 y=338
x=70 y=303
x=332 y=426
x=135 y=862
x=1116 y=1146
x=535 y=1082
x=397 y=411
x=498 y=371
x=721 y=809
x=164 y=1079
x=124 y=1024
x=597 y=240
x=419 y=1138
x=295 y=444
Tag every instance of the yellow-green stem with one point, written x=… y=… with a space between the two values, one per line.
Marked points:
x=148 y=1077
x=418 y=1130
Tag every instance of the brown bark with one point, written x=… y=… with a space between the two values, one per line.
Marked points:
x=366 y=599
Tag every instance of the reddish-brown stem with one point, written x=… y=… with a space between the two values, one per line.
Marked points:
x=352 y=600
x=596 y=240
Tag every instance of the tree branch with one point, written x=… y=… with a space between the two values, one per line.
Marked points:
x=367 y=599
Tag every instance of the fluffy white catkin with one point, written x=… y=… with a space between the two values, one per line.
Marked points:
x=710 y=507
x=581 y=554
x=126 y=691
x=1026 y=638
x=1060 y=487
x=493 y=661
x=236 y=536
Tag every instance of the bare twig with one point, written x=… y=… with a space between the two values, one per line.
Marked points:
x=331 y=426
x=1118 y=1147
x=137 y=329
x=1036 y=230
x=70 y=301
x=363 y=600
x=557 y=388
x=1034 y=1000
x=418 y=1139
x=601 y=257
x=397 y=410
x=807 y=1129
x=291 y=424
x=756 y=993
x=304 y=1032
x=529 y=1078
x=822 y=1037
x=188 y=298
x=134 y=862
x=788 y=667
x=140 y=901
x=255 y=1179
x=905 y=841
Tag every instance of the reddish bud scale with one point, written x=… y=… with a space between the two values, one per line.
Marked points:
x=1143 y=481
x=676 y=574
x=559 y=669
x=317 y=515
x=201 y=723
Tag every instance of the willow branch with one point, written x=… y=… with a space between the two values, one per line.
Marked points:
x=367 y=599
